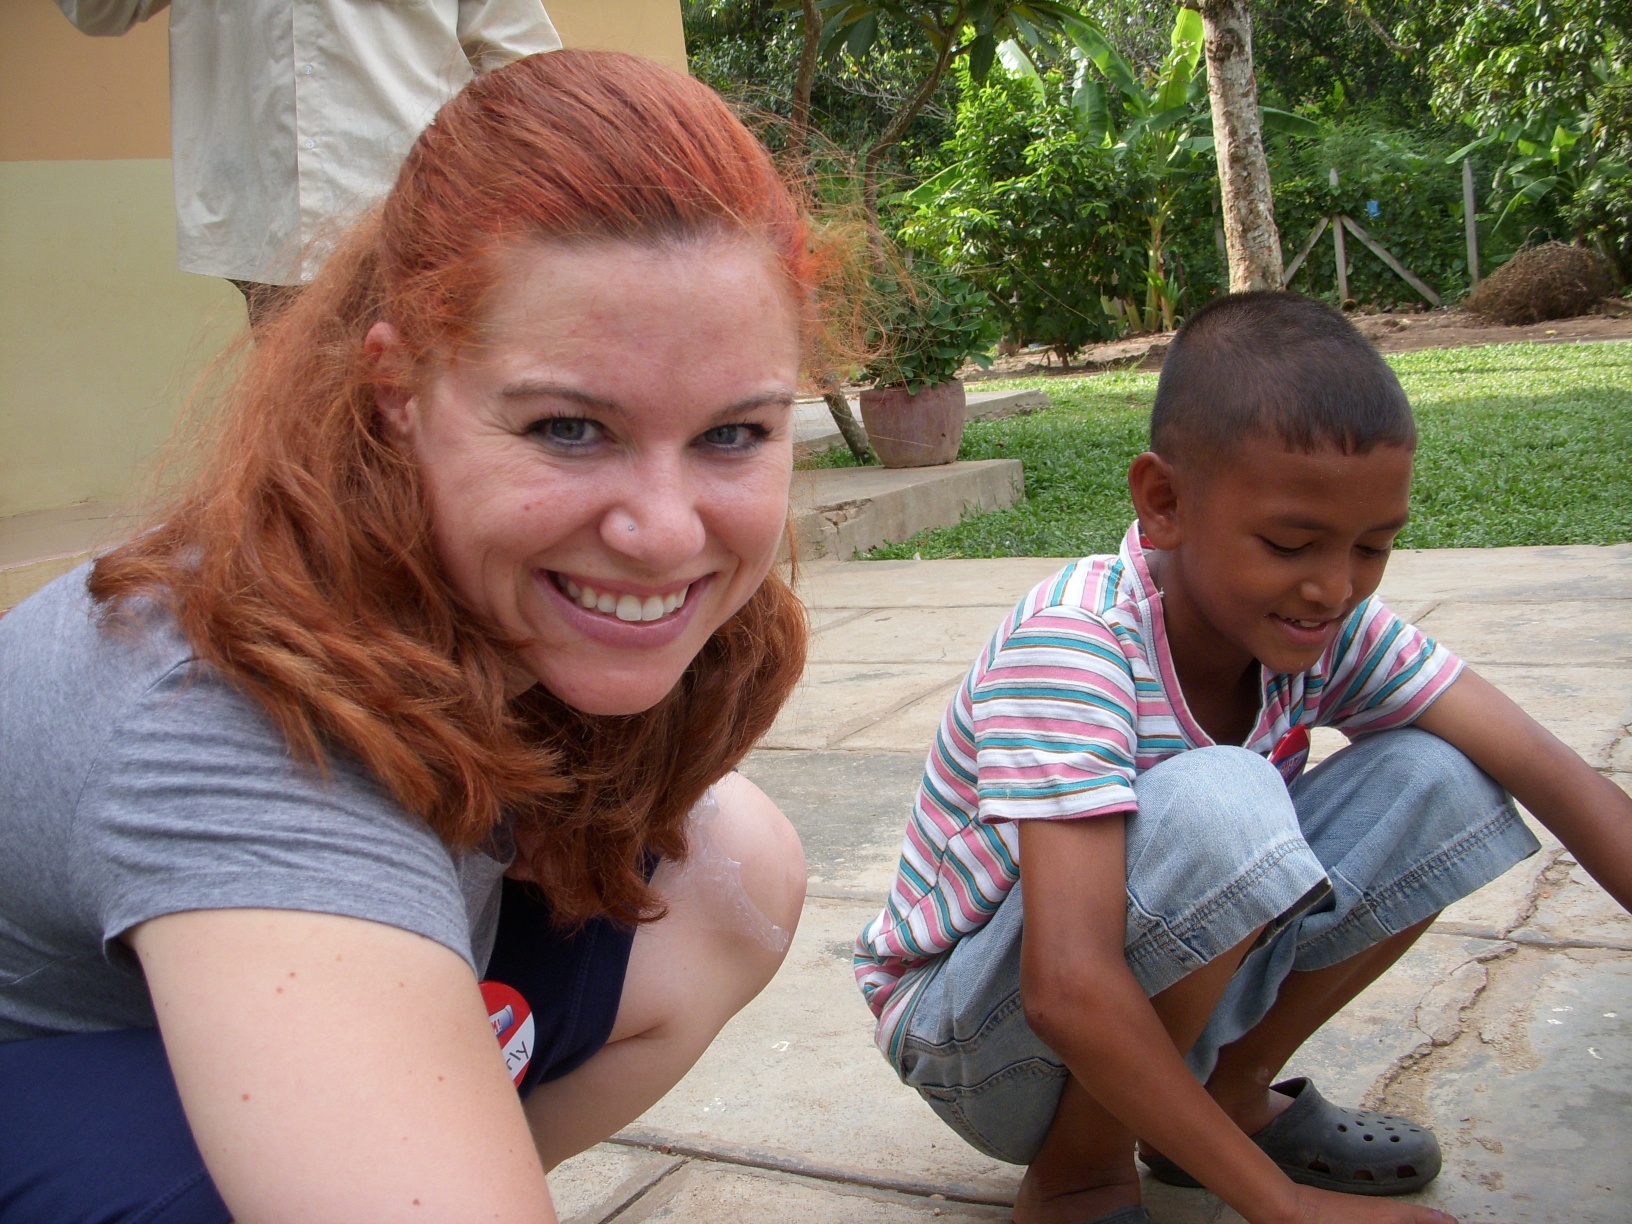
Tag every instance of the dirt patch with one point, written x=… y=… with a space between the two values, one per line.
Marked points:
x=1390 y=331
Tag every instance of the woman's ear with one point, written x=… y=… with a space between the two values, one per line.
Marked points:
x=1154 y=486
x=384 y=351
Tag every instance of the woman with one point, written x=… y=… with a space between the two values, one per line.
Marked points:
x=468 y=609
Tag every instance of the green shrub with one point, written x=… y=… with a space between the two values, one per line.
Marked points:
x=929 y=323
x=1034 y=212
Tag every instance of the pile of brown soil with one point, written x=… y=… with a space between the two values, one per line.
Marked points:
x=1551 y=281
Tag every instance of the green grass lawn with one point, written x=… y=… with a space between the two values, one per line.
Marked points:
x=1519 y=444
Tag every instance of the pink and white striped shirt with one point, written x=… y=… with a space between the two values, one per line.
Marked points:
x=1072 y=698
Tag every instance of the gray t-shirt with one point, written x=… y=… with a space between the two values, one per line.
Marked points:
x=134 y=782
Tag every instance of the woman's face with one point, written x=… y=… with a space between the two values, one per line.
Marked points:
x=608 y=468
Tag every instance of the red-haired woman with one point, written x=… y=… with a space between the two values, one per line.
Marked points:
x=367 y=749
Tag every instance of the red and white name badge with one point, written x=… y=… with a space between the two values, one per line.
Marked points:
x=512 y=1022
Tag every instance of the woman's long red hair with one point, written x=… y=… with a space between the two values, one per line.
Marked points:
x=298 y=559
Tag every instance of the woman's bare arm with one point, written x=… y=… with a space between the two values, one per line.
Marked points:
x=334 y=1069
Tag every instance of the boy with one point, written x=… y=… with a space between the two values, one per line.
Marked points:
x=1185 y=900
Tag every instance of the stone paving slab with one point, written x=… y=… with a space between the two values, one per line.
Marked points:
x=910 y=635
x=986 y=583
x=850 y=810
x=1572 y=910
x=1532 y=1103
x=912 y=724
x=704 y=1191
x=1568 y=572
x=1590 y=632
x=596 y=1185
x=835 y=700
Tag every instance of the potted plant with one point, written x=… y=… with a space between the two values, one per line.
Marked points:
x=928 y=325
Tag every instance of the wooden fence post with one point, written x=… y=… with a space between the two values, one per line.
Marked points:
x=1342 y=257
x=1470 y=224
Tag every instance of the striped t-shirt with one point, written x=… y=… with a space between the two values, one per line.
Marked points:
x=1073 y=697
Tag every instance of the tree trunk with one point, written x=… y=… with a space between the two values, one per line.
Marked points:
x=895 y=129
x=799 y=120
x=855 y=437
x=1250 y=237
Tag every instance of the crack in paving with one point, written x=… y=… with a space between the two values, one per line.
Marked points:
x=1400 y=1089
x=636 y=1194
x=1397 y=1090
x=756 y=1158
x=1548 y=880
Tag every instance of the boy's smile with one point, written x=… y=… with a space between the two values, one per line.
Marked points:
x=1264 y=553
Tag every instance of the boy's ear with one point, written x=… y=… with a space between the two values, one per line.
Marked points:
x=1154 y=486
x=384 y=350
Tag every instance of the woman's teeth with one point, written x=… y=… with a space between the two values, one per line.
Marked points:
x=625 y=607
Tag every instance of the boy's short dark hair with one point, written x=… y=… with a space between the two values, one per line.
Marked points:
x=1276 y=362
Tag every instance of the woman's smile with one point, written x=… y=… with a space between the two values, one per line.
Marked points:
x=611 y=599
x=623 y=616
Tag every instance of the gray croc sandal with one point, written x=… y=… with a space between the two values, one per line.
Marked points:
x=1123 y=1215
x=1316 y=1143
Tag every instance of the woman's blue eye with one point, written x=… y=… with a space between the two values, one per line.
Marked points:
x=567 y=431
x=734 y=437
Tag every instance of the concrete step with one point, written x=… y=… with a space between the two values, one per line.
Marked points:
x=37 y=547
x=814 y=431
x=838 y=512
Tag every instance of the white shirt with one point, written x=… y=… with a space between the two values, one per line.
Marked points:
x=288 y=118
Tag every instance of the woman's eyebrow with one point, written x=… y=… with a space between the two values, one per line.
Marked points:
x=769 y=399
x=546 y=390
x=527 y=390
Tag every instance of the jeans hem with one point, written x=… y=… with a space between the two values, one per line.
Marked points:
x=1171 y=951
x=1485 y=853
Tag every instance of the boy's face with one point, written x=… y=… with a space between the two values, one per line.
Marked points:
x=1272 y=548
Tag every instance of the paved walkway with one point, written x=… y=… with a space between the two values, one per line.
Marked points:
x=1508 y=1028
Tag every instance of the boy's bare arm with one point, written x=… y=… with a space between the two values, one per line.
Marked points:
x=1081 y=998
x=1589 y=813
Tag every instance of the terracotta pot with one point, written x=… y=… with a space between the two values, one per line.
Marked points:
x=914 y=430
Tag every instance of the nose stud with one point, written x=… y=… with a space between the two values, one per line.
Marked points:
x=631 y=527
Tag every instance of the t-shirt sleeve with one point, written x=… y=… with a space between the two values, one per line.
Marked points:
x=1054 y=721
x=196 y=803
x=1384 y=672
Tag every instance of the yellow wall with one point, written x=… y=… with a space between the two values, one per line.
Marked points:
x=644 y=27
x=100 y=335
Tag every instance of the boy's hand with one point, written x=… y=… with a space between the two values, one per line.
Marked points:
x=1328 y=1207
x=1588 y=813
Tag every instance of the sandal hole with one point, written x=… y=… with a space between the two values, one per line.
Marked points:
x=1363 y=1175
x=1342 y=1127
x=1405 y=1171
x=1319 y=1166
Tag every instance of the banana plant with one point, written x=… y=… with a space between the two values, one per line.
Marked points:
x=1566 y=162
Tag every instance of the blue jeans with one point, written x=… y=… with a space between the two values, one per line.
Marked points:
x=1386 y=832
